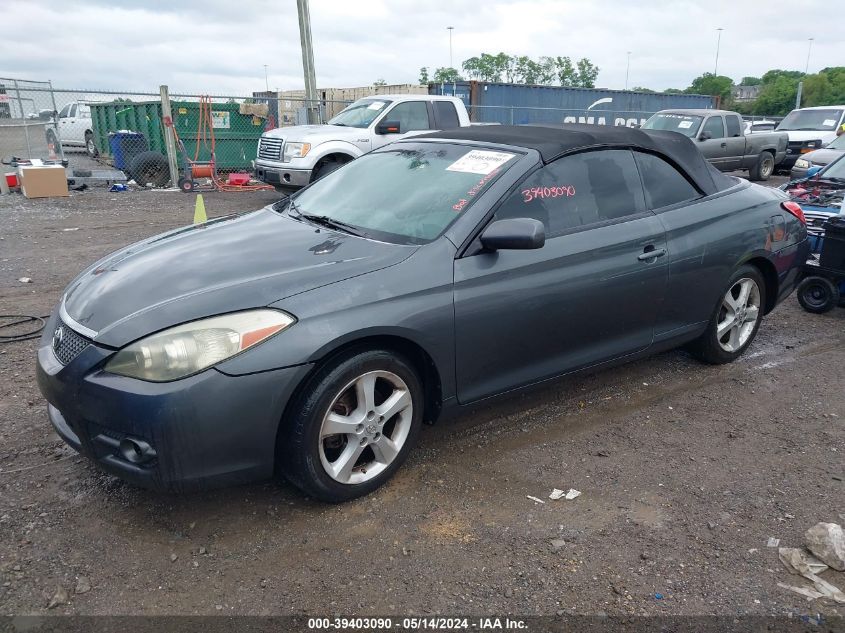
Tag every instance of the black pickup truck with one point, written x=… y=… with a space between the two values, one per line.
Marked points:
x=720 y=135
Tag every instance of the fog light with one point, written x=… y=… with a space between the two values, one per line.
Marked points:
x=136 y=451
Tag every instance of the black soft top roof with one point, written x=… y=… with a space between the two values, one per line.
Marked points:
x=553 y=141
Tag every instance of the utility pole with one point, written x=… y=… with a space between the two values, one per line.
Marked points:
x=809 y=49
x=307 y=59
x=718 y=44
x=450 y=29
x=266 y=80
x=627 y=68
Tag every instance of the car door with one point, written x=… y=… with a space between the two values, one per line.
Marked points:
x=735 y=142
x=413 y=118
x=74 y=134
x=590 y=294
x=711 y=141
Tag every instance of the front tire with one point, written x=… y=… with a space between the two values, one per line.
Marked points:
x=352 y=426
x=818 y=294
x=764 y=168
x=736 y=319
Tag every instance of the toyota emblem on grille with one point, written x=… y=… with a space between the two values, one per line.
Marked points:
x=58 y=336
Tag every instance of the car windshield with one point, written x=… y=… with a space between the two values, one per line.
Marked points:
x=811 y=120
x=837 y=143
x=686 y=124
x=407 y=193
x=835 y=170
x=361 y=113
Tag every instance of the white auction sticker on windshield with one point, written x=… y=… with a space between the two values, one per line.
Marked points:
x=480 y=162
x=685 y=124
x=376 y=105
x=829 y=122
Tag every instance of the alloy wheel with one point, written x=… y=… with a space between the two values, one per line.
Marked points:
x=365 y=427
x=738 y=315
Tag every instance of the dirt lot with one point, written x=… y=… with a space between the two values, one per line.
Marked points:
x=685 y=471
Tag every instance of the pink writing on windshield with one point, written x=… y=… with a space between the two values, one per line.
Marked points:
x=548 y=192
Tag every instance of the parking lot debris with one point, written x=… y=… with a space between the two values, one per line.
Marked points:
x=116 y=187
x=810 y=594
x=556 y=494
x=535 y=499
x=83 y=585
x=174 y=558
x=572 y=493
x=59 y=598
x=827 y=542
x=557 y=544
x=798 y=561
x=772 y=542
x=199 y=211
x=25 y=280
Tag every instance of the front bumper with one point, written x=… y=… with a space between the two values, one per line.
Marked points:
x=281 y=176
x=207 y=430
x=798 y=172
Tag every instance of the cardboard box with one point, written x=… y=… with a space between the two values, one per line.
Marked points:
x=43 y=181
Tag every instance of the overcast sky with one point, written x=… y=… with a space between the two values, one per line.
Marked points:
x=220 y=46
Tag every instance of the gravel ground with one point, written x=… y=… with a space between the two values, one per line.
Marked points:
x=685 y=471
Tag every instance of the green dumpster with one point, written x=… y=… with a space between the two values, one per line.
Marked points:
x=236 y=134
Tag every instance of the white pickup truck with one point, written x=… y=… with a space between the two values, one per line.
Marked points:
x=296 y=156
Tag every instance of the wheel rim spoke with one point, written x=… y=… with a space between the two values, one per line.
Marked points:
x=336 y=424
x=725 y=325
x=398 y=401
x=365 y=392
x=385 y=450
x=342 y=467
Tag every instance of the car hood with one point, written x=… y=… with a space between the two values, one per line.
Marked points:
x=823 y=156
x=316 y=134
x=228 y=264
x=809 y=135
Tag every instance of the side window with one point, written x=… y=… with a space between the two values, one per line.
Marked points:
x=447 y=116
x=663 y=184
x=715 y=126
x=412 y=115
x=72 y=110
x=732 y=122
x=65 y=112
x=577 y=191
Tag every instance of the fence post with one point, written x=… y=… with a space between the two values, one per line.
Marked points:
x=169 y=139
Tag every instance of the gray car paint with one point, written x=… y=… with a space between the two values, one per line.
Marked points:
x=452 y=301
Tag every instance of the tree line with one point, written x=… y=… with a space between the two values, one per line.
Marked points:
x=518 y=69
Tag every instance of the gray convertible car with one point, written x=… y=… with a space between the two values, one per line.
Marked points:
x=313 y=338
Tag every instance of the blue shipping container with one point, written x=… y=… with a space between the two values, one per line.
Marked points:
x=519 y=104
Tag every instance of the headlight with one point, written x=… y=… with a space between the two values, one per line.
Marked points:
x=802 y=164
x=296 y=150
x=192 y=347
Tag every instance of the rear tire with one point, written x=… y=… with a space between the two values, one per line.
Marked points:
x=818 y=294
x=352 y=426
x=735 y=320
x=150 y=167
x=764 y=168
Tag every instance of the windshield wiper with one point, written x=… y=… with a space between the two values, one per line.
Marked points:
x=338 y=124
x=331 y=223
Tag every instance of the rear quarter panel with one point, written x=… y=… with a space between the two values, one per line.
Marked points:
x=710 y=238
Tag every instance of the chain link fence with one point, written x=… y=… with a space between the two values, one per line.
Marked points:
x=194 y=141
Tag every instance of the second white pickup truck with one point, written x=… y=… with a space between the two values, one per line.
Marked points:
x=296 y=156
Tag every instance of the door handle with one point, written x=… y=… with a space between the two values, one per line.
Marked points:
x=651 y=253
x=724 y=144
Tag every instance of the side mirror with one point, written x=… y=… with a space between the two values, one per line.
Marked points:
x=389 y=127
x=514 y=234
x=813 y=171
x=705 y=136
